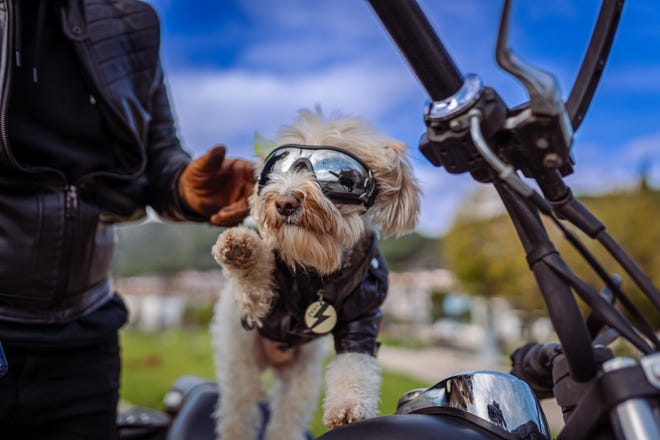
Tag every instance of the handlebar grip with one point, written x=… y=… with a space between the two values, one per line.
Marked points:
x=415 y=37
x=533 y=364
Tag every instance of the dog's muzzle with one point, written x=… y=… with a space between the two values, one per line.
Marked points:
x=287 y=204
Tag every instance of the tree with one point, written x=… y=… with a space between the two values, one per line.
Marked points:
x=482 y=249
x=631 y=218
x=485 y=254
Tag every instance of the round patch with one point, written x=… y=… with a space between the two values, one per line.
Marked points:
x=320 y=317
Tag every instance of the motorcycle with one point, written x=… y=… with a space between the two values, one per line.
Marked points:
x=470 y=129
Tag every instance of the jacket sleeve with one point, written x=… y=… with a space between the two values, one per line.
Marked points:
x=359 y=335
x=360 y=315
x=165 y=157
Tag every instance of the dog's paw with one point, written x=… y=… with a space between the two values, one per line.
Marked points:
x=237 y=247
x=345 y=414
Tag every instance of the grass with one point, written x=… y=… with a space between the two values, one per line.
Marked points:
x=153 y=361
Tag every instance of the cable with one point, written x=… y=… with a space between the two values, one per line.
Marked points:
x=508 y=175
x=599 y=306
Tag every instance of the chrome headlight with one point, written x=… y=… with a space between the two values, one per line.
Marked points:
x=501 y=400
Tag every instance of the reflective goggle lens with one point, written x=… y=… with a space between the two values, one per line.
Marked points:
x=342 y=176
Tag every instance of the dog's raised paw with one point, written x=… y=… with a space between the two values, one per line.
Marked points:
x=236 y=247
x=237 y=252
x=334 y=418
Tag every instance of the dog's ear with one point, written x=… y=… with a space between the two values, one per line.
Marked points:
x=397 y=203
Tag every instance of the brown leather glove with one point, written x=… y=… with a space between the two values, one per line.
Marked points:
x=217 y=187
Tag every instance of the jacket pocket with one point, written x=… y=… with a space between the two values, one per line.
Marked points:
x=30 y=244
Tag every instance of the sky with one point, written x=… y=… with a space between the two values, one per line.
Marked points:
x=236 y=67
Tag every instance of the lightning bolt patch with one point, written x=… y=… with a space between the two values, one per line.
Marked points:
x=320 y=317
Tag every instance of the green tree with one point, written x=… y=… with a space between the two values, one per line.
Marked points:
x=413 y=251
x=484 y=252
x=631 y=218
x=164 y=247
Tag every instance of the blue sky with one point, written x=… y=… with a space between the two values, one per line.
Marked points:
x=236 y=67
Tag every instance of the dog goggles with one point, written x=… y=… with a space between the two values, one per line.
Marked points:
x=343 y=177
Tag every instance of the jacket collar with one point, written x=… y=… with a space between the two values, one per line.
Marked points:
x=334 y=287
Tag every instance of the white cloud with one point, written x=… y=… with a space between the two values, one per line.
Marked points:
x=644 y=147
x=603 y=168
x=443 y=194
x=229 y=106
x=627 y=77
x=336 y=54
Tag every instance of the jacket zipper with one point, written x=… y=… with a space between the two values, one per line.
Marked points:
x=70 y=215
x=7 y=37
x=71 y=201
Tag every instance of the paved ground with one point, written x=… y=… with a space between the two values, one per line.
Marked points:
x=435 y=364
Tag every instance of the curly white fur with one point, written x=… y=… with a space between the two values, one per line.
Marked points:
x=354 y=395
x=316 y=236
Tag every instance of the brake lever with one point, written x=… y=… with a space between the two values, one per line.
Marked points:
x=542 y=126
x=542 y=87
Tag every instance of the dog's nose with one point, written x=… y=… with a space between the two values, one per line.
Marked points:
x=287 y=204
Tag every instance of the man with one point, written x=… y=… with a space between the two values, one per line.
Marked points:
x=87 y=140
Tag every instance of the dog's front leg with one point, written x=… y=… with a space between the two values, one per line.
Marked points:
x=249 y=264
x=352 y=389
x=237 y=372
x=295 y=393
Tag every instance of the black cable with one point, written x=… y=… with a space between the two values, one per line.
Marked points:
x=557 y=294
x=601 y=308
x=645 y=326
x=638 y=276
x=570 y=209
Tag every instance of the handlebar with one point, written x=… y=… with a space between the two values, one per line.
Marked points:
x=448 y=142
x=594 y=61
x=469 y=128
x=413 y=34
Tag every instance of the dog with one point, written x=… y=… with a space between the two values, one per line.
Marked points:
x=324 y=196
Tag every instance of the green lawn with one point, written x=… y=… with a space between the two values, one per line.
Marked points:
x=153 y=361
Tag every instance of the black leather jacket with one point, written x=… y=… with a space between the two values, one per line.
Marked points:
x=56 y=239
x=355 y=292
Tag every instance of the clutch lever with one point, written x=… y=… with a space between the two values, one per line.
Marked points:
x=541 y=128
x=542 y=87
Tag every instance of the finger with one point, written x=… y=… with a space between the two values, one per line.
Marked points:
x=249 y=171
x=247 y=190
x=231 y=215
x=228 y=219
x=242 y=169
x=213 y=159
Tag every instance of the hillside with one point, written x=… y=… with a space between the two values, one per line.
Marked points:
x=486 y=256
x=161 y=247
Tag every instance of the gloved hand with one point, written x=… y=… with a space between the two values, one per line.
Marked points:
x=532 y=363
x=217 y=187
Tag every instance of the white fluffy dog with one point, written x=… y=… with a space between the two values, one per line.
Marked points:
x=324 y=196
